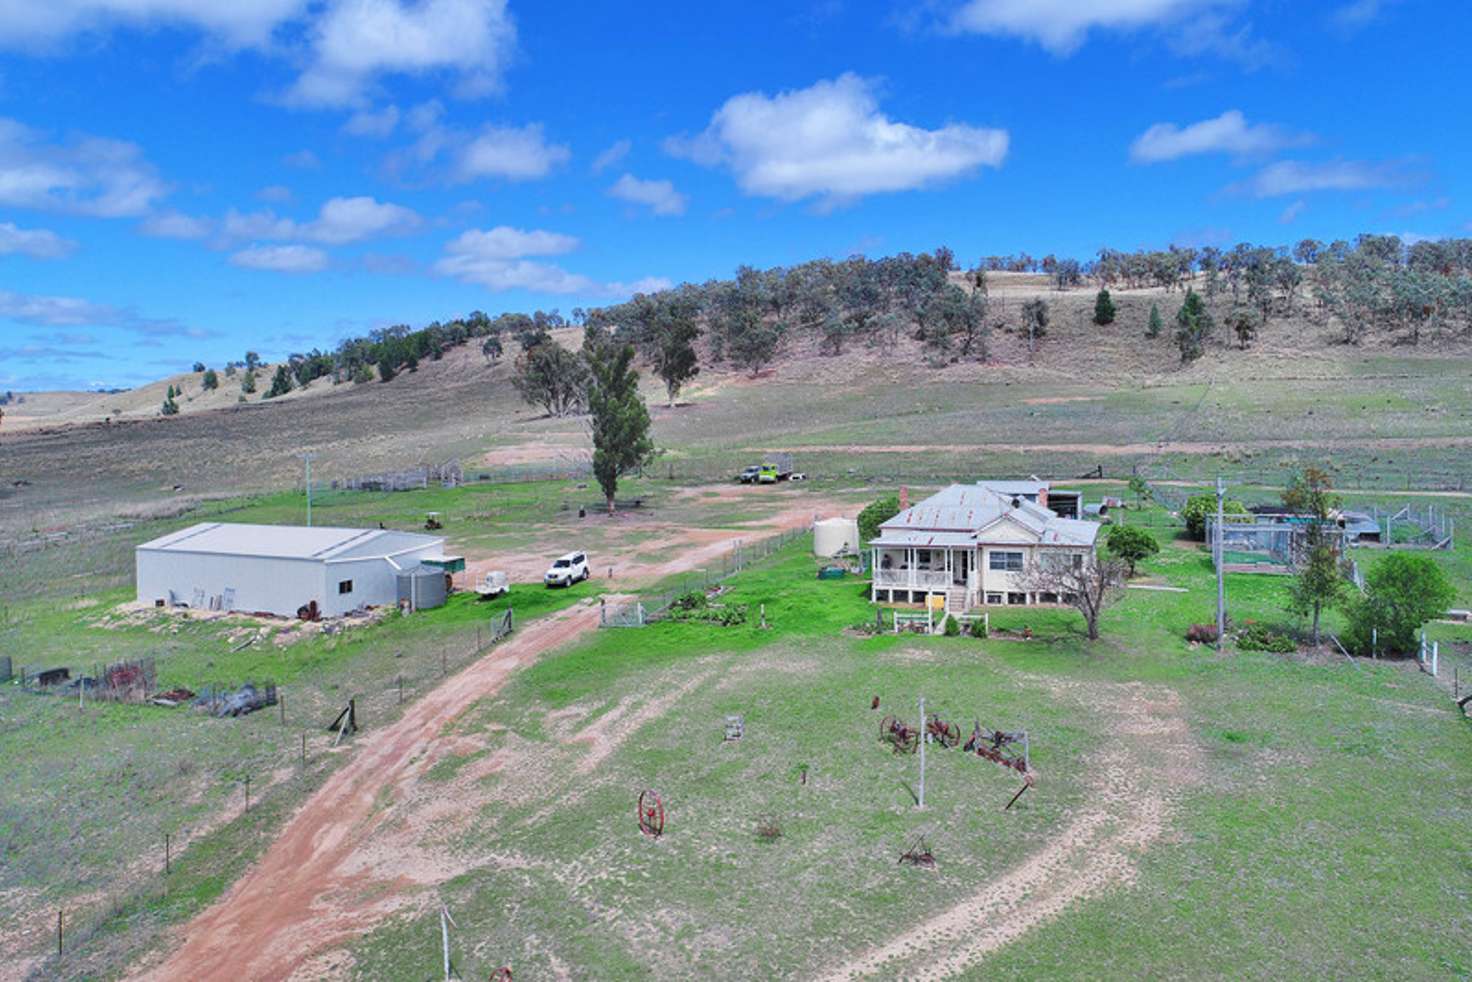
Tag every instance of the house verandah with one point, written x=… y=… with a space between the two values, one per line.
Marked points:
x=975 y=547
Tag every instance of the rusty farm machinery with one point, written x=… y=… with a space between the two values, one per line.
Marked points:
x=901 y=736
x=998 y=746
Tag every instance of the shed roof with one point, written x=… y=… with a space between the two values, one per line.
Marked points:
x=286 y=541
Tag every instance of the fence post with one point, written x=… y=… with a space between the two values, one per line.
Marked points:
x=58 y=932
x=281 y=701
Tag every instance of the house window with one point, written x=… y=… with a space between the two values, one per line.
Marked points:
x=922 y=558
x=1005 y=562
x=993 y=598
x=1047 y=598
x=344 y=586
x=1078 y=560
x=1016 y=598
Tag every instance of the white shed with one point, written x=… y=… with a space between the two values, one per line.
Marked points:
x=278 y=569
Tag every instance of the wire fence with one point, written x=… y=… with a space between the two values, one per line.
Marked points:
x=291 y=753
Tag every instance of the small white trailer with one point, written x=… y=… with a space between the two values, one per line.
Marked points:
x=492 y=584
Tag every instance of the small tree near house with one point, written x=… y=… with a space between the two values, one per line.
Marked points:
x=619 y=419
x=1317 y=580
x=1088 y=584
x=875 y=514
x=1130 y=543
x=1402 y=592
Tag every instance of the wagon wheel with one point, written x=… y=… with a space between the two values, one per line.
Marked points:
x=886 y=727
x=651 y=813
x=907 y=741
x=952 y=735
x=502 y=974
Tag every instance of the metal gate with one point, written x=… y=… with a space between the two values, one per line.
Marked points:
x=622 y=615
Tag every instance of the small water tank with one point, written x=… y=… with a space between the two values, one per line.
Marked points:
x=835 y=536
x=422 y=586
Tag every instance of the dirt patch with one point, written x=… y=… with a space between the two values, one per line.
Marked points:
x=1129 y=809
x=1059 y=400
x=609 y=731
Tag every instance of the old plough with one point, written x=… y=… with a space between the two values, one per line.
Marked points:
x=946 y=734
x=1007 y=749
x=899 y=735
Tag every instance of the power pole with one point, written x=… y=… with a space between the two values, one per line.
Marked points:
x=307 y=460
x=1217 y=552
x=921 y=801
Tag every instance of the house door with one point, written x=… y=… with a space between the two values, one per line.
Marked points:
x=960 y=567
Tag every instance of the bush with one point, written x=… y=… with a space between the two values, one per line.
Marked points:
x=1103 y=308
x=1402 y=592
x=1201 y=633
x=876 y=514
x=211 y=380
x=1259 y=637
x=978 y=628
x=248 y=383
x=953 y=628
x=1130 y=543
x=1200 y=507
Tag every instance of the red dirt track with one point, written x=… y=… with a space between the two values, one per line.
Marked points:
x=315 y=890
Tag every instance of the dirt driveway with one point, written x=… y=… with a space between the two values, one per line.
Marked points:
x=322 y=883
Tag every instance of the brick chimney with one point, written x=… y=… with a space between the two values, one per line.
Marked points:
x=904 y=497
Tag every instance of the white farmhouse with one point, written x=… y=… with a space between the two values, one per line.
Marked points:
x=278 y=569
x=972 y=543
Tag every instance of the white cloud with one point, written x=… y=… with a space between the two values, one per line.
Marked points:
x=659 y=196
x=1060 y=26
x=237 y=23
x=354 y=41
x=1291 y=213
x=376 y=124
x=1189 y=27
x=177 y=225
x=1297 y=177
x=510 y=152
x=1229 y=133
x=611 y=155
x=831 y=140
x=338 y=222
x=38 y=243
x=500 y=259
x=87 y=176
x=1355 y=15
x=54 y=311
x=344 y=220
x=275 y=193
x=496 y=259
x=302 y=160
x=282 y=259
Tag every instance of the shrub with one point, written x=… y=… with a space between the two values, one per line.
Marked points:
x=953 y=628
x=1103 y=308
x=978 y=628
x=1200 y=507
x=281 y=383
x=1259 y=637
x=1130 y=543
x=1201 y=633
x=211 y=380
x=248 y=383
x=1402 y=592
x=1153 y=328
x=876 y=514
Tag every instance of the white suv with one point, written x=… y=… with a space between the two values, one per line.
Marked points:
x=567 y=570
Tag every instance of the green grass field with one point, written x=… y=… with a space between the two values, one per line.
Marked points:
x=1282 y=797
x=1298 y=800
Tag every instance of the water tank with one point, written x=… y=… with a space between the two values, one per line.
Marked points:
x=423 y=587
x=835 y=536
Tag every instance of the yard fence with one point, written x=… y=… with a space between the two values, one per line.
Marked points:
x=291 y=741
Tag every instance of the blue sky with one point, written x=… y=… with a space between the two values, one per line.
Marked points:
x=183 y=179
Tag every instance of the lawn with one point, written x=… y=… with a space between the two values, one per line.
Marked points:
x=1231 y=815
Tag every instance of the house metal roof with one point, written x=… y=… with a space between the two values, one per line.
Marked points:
x=287 y=541
x=962 y=512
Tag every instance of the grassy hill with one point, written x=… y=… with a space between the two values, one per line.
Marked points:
x=1084 y=396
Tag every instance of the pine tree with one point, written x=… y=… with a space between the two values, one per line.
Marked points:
x=210 y=381
x=248 y=383
x=620 y=420
x=1103 y=308
x=1157 y=323
x=281 y=383
x=1193 y=326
